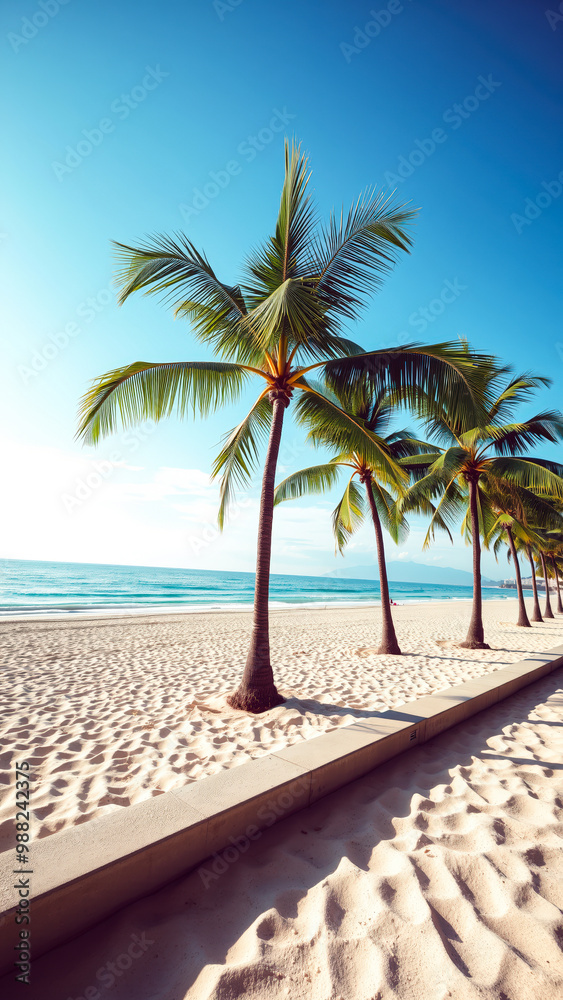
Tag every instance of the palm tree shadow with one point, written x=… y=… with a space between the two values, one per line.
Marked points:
x=195 y=924
x=324 y=708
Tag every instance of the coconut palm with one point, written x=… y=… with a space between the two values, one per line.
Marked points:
x=479 y=459
x=554 y=541
x=536 y=615
x=544 y=572
x=548 y=549
x=556 y=566
x=383 y=472
x=547 y=530
x=301 y=286
x=511 y=511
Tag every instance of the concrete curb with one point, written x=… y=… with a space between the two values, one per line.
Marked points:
x=86 y=873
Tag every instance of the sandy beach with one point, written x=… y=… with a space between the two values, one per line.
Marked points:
x=110 y=712
x=436 y=876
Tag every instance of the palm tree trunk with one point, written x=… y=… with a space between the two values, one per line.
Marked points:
x=555 y=570
x=476 y=633
x=523 y=619
x=548 y=613
x=257 y=691
x=389 y=642
x=536 y=612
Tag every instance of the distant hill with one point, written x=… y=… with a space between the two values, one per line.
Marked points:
x=411 y=572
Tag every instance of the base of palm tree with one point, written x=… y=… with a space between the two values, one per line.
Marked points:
x=546 y=614
x=391 y=649
x=255 y=700
x=537 y=618
x=473 y=644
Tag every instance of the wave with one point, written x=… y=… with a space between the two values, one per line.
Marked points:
x=33 y=589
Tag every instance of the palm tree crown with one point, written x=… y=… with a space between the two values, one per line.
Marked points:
x=477 y=461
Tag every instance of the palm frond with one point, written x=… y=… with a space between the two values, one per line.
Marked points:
x=290 y=307
x=430 y=379
x=394 y=523
x=450 y=463
x=352 y=253
x=175 y=269
x=516 y=392
x=509 y=439
x=315 y=479
x=143 y=391
x=348 y=515
x=451 y=506
x=420 y=497
x=418 y=465
x=334 y=427
x=172 y=268
x=284 y=255
x=533 y=474
x=239 y=455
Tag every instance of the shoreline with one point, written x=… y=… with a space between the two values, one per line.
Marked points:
x=117 y=611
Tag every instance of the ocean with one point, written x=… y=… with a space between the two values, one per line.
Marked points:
x=29 y=588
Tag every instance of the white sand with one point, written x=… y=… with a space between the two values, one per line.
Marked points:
x=439 y=875
x=111 y=712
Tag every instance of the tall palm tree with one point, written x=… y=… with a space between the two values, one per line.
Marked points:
x=556 y=565
x=383 y=472
x=536 y=615
x=511 y=511
x=554 y=540
x=547 y=611
x=301 y=286
x=547 y=543
x=480 y=458
x=506 y=527
x=548 y=549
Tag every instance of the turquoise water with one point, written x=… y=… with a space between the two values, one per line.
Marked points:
x=30 y=588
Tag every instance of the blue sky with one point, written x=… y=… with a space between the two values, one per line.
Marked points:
x=124 y=120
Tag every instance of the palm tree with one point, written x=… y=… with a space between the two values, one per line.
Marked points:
x=547 y=611
x=556 y=572
x=546 y=542
x=506 y=526
x=286 y=320
x=536 y=615
x=482 y=458
x=554 y=538
x=386 y=467
x=548 y=548
x=512 y=510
